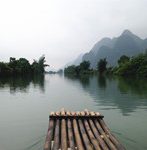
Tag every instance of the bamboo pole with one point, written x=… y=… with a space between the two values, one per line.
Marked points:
x=91 y=136
x=79 y=130
x=112 y=137
x=56 y=137
x=77 y=136
x=84 y=136
x=103 y=135
x=70 y=135
x=97 y=135
x=49 y=136
x=63 y=132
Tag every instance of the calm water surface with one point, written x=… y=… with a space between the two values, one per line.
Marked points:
x=25 y=105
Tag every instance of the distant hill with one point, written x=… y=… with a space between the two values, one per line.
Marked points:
x=75 y=62
x=112 y=49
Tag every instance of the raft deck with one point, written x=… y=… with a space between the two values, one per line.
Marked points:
x=79 y=130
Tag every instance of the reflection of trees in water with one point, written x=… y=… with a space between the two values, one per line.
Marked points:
x=22 y=83
x=124 y=94
x=39 y=81
x=102 y=81
x=83 y=79
x=135 y=86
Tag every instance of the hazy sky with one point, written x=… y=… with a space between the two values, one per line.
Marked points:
x=62 y=29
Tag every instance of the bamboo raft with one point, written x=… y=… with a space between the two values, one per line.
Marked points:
x=79 y=131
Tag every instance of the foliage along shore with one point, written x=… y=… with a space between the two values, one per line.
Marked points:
x=22 y=66
x=135 y=66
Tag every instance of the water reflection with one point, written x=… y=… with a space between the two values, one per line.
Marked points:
x=22 y=83
x=102 y=81
x=116 y=93
x=84 y=79
x=135 y=86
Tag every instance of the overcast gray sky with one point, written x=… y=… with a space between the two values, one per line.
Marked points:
x=62 y=29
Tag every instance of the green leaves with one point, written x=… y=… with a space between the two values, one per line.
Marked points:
x=83 y=68
x=136 y=66
x=39 y=66
x=22 y=66
x=101 y=65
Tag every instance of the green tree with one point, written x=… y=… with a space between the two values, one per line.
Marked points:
x=101 y=65
x=70 y=70
x=39 y=66
x=42 y=64
x=24 y=66
x=85 y=65
x=123 y=59
x=136 y=66
x=5 y=69
x=20 y=66
x=13 y=65
x=83 y=68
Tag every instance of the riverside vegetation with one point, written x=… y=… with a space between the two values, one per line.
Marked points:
x=22 y=66
x=127 y=66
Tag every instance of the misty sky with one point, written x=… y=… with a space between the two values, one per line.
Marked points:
x=62 y=29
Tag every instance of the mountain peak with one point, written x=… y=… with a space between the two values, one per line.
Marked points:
x=127 y=44
x=127 y=32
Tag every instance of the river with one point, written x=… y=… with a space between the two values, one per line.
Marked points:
x=25 y=104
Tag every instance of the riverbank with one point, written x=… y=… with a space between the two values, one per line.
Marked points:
x=127 y=67
x=21 y=66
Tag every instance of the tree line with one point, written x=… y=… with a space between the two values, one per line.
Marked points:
x=134 y=66
x=22 y=66
x=127 y=66
x=83 y=68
